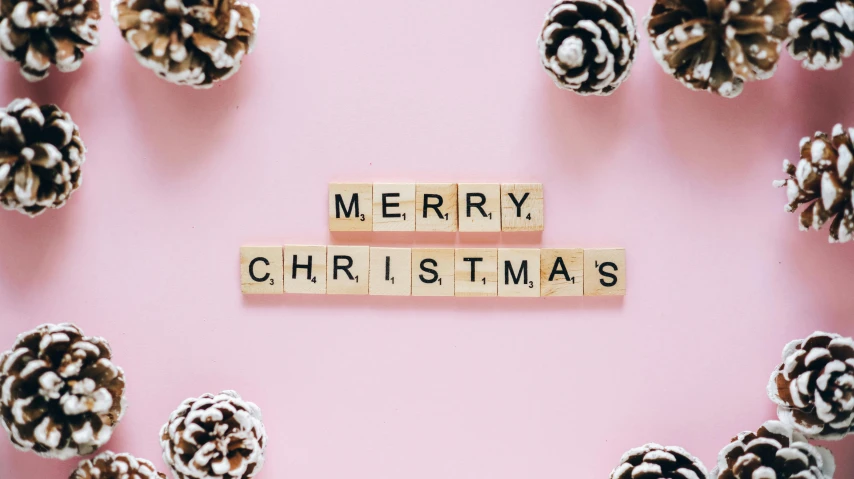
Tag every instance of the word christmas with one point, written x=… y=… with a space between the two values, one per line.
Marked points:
x=464 y=272
x=447 y=207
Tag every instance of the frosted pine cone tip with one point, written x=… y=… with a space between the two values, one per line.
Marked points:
x=653 y=461
x=588 y=46
x=814 y=386
x=109 y=465
x=41 y=33
x=60 y=393
x=717 y=46
x=823 y=183
x=194 y=43
x=775 y=451
x=822 y=33
x=214 y=437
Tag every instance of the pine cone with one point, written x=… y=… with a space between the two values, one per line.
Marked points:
x=188 y=42
x=717 y=45
x=822 y=32
x=814 y=386
x=60 y=393
x=775 y=451
x=38 y=33
x=108 y=465
x=823 y=180
x=658 y=462
x=214 y=437
x=588 y=46
x=40 y=157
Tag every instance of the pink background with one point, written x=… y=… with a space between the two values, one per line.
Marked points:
x=176 y=180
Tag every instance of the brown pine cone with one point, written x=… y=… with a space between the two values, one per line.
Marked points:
x=814 y=386
x=108 y=465
x=188 y=42
x=588 y=46
x=60 y=393
x=38 y=33
x=214 y=437
x=775 y=451
x=822 y=32
x=658 y=462
x=717 y=45
x=824 y=181
x=40 y=157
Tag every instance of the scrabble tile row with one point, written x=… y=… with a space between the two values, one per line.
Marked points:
x=463 y=272
x=442 y=207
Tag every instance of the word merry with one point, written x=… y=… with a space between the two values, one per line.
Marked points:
x=463 y=272
x=446 y=207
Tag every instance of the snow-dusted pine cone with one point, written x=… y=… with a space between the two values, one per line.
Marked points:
x=814 y=386
x=188 y=42
x=658 y=462
x=40 y=157
x=775 y=451
x=214 y=437
x=588 y=46
x=717 y=45
x=823 y=180
x=108 y=465
x=38 y=33
x=822 y=32
x=60 y=393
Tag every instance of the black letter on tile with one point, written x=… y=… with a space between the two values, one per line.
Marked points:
x=252 y=270
x=387 y=205
x=346 y=269
x=354 y=205
x=479 y=205
x=612 y=276
x=435 y=207
x=297 y=266
x=435 y=275
x=473 y=262
x=508 y=273
x=559 y=268
x=518 y=203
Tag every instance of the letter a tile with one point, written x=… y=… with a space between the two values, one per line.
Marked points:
x=562 y=272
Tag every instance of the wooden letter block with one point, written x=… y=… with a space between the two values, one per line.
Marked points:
x=605 y=272
x=522 y=207
x=480 y=207
x=305 y=269
x=347 y=269
x=436 y=207
x=391 y=271
x=562 y=272
x=394 y=207
x=432 y=272
x=350 y=207
x=261 y=269
x=519 y=272
x=476 y=272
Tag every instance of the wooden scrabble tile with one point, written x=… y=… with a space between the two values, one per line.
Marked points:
x=522 y=207
x=350 y=207
x=432 y=271
x=476 y=272
x=391 y=272
x=479 y=207
x=605 y=272
x=261 y=269
x=436 y=207
x=347 y=269
x=562 y=272
x=394 y=207
x=305 y=269
x=519 y=272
